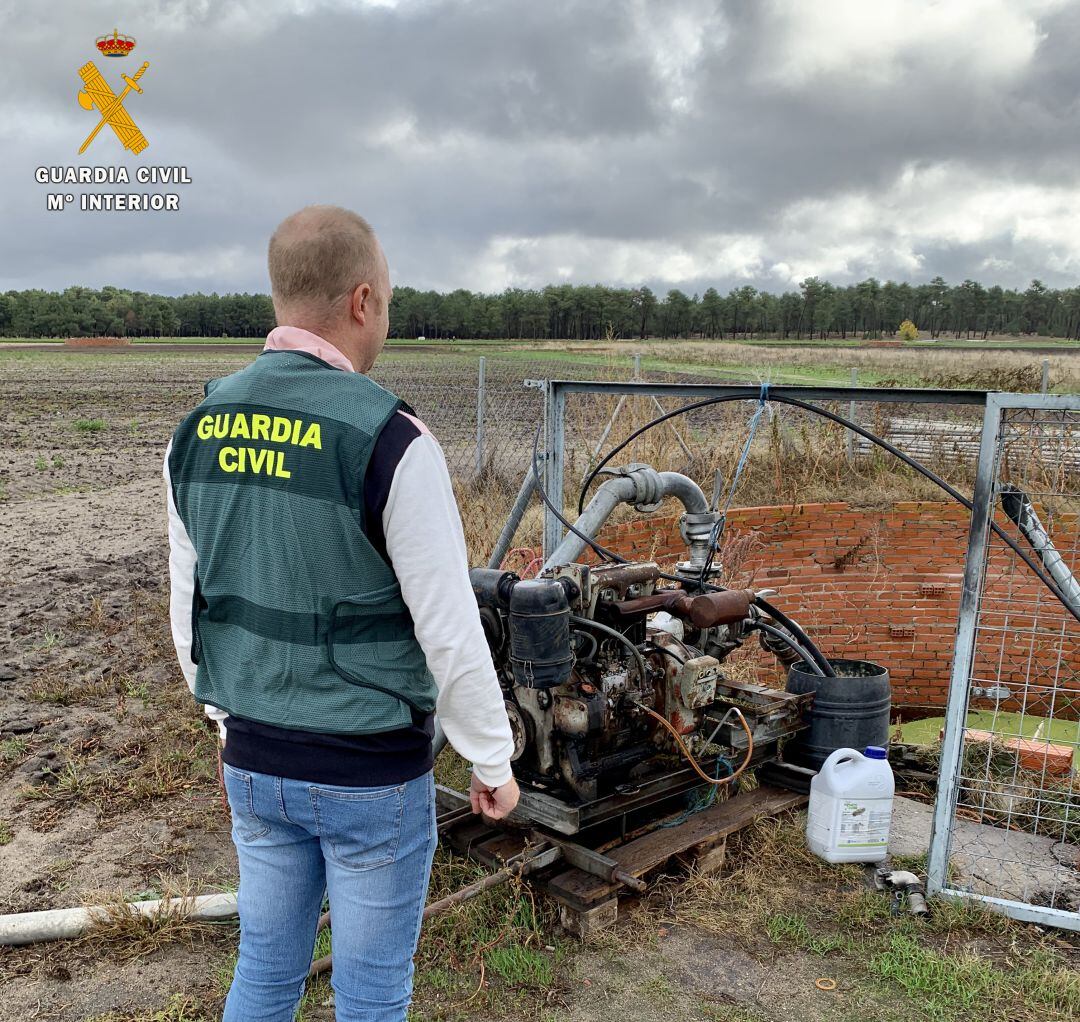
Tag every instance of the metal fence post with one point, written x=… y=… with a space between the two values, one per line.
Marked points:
x=937 y=867
x=998 y=870
x=481 y=402
x=849 y=438
x=517 y=512
x=554 y=453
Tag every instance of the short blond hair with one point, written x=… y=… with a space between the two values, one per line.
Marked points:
x=319 y=254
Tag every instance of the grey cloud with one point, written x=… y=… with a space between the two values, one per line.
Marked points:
x=453 y=123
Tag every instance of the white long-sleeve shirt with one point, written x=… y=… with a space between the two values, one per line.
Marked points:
x=426 y=547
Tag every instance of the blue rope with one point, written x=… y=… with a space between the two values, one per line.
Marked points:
x=699 y=804
x=753 y=425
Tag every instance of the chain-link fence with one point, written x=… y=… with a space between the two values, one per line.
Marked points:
x=486 y=419
x=480 y=408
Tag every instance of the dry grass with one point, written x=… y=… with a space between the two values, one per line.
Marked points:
x=963 y=964
x=496 y=956
x=979 y=369
x=124 y=933
x=167 y=754
x=180 y=1008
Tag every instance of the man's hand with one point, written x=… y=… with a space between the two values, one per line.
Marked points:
x=494 y=803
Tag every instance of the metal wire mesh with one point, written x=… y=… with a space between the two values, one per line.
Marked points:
x=1009 y=814
x=796 y=455
x=488 y=427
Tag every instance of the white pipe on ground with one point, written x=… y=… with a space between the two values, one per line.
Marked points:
x=66 y=923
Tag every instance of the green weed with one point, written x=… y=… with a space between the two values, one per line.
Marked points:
x=49 y=640
x=794 y=931
x=521 y=966
x=955 y=986
x=13 y=749
x=136 y=690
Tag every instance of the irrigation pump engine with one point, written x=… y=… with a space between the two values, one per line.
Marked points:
x=612 y=673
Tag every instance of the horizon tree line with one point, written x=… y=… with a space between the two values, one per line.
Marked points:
x=819 y=309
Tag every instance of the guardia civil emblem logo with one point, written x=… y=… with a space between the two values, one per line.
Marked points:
x=96 y=93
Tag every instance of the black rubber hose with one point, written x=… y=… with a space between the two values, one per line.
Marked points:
x=855 y=428
x=800 y=636
x=584 y=622
x=667 y=652
x=779 y=633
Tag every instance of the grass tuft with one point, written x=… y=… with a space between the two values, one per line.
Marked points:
x=127 y=933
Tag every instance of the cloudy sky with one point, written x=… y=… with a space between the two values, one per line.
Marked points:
x=496 y=143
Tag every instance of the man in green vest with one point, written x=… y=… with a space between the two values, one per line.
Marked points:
x=322 y=612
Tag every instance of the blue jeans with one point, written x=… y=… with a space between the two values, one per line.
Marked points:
x=370 y=849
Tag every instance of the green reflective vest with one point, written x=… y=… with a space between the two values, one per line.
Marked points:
x=297 y=620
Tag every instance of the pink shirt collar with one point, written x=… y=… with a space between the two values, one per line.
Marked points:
x=293 y=338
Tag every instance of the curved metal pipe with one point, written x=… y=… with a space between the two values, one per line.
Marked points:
x=685 y=490
x=642 y=486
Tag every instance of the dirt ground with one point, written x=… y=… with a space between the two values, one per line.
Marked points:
x=108 y=789
x=96 y=798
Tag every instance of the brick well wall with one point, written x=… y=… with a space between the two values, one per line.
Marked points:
x=884 y=585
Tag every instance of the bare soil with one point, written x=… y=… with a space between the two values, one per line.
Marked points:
x=107 y=784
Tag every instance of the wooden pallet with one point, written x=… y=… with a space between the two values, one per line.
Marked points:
x=588 y=903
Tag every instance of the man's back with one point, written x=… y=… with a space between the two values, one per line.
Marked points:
x=290 y=596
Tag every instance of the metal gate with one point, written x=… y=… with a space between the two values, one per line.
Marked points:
x=1007 y=816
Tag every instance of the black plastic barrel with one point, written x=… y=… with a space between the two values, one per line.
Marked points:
x=850 y=711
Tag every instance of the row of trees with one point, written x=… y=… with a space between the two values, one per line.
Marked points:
x=116 y=312
x=818 y=309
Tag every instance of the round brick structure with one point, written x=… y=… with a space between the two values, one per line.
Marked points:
x=884 y=585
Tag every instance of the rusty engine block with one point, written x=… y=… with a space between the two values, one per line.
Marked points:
x=613 y=680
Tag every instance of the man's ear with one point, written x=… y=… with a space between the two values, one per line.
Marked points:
x=360 y=304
